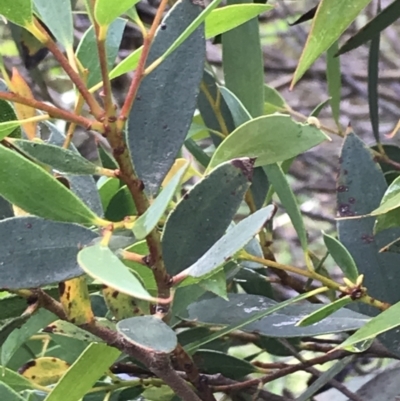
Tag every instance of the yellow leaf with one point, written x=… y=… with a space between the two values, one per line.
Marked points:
x=123 y=306
x=44 y=371
x=74 y=297
x=19 y=86
x=179 y=163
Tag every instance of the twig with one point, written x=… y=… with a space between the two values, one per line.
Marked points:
x=54 y=112
x=139 y=73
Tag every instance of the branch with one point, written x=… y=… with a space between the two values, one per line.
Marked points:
x=139 y=73
x=94 y=106
x=54 y=112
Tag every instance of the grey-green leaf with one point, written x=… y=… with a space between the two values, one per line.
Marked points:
x=100 y=263
x=148 y=332
x=280 y=324
x=87 y=52
x=57 y=16
x=147 y=221
x=63 y=160
x=356 y=196
x=232 y=242
x=342 y=257
x=203 y=214
x=257 y=138
x=35 y=252
x=164 y=106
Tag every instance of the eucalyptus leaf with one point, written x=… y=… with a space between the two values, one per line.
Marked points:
x=330 y=21
x=83 y=374
x=154 y=138
x=57 y=16
x=100 y=263
x=232 y=242
x=147 y=221
x=63 y=160
x=357 y=197
x=106 y=12
x=226 y=18
x=195 y=224
x=19 y=12
x=87 y=51
x=342 y=257
x=280 y=322
x=31 y=188
x=157 y=336
x=48 y=248
x=257 y=138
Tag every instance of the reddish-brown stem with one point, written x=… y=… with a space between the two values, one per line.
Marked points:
x=94 y=106
x=283 y=372
x=54 y=112
x=106 y=94
x=147 y=42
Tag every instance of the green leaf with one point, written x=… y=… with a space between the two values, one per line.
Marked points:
x=273 y=100
x=126 y=65
x=8 y=127
x=7 y=114
x=18 y=337
x=154 y=138
x=371 y=30
x=356 y=196
x=57 y=16
x=147 y=221
x=257 y=138
x=31 y=188
x=216 y=284
x=83 y=374
x=149 y=333
x=342 y=257
x=278 y=180
x=87 y=51
x=243 y=64
x=255 y=313
x=107 y=189
x=195 y=225
x=63 y=160
x=101 y=264
x=334 y=79
x=193 y=26
x=242 y=321
x=8 y=394
x=330 y=21
x=226 y=18
x=197 y=152
x=385 y=321
x=48 y=247
x=319 y=107
x=7 y=328
x=239 y=113
x=324 y=311
x=325 y=378
x=82 y=186
x=143 y=272
x=19 y=11
x=120 y=205
x=215 y=362
x=15 y=380
x=232 y=242
x=389 y=209
x=260 y=185
x=130 y=63
x=105 y=12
